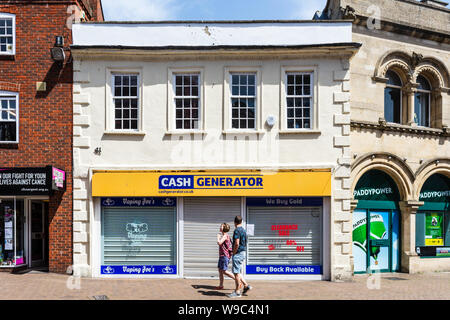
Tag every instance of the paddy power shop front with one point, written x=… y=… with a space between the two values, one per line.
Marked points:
x=166 y=223
x=376 y=224
x=433 y=218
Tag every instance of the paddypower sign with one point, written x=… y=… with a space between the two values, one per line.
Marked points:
x=376 y=185
x=212 y=183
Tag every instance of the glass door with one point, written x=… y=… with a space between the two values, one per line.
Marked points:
x=37 y=233
x=379 y=246
x=376 y=241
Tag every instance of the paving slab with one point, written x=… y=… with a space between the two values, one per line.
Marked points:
x=50 y=286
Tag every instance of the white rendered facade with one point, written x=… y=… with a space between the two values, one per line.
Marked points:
x=157 y=143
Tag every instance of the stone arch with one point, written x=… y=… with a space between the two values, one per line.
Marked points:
x=435 y=70
x=431 y=73
x=389 y=163
x=427 y=169
x=398 y=61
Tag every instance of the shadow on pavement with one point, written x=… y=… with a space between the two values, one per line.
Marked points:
x=201 y=286
x=212 y=292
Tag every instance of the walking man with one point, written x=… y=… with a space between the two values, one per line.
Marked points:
x=239 y=247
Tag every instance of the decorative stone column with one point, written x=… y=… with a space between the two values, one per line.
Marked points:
x=410 y=93
x=353 y=205
x=409 y=257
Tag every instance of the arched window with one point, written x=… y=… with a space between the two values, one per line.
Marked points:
x=422 y=102
x=393 y=98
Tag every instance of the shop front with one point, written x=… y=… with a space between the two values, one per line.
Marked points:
x=164 y=224
x=433 y=218
x=376 y=224
x=24 y=198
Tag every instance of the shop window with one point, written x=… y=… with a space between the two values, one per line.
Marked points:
x=187 y=101
x=286 y=236
x=393 y=98
x=9 y=117
x=433 y=218
x=422 y=102
x=243 y=100
x=138 y=236
x=12 y=232
x=7 y=34
x=126 y=101
x=299 y=100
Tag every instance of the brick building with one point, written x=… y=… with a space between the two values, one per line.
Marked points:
x=36 y=131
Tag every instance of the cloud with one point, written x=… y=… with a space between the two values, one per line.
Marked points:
x=140 y=10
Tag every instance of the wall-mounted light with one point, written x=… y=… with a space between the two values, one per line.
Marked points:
x=271 y=120
x=57 y=51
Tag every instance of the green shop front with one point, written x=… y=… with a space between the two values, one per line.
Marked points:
x=433 y=218
x=376 y=224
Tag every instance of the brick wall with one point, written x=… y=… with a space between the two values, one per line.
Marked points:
x=45 y=118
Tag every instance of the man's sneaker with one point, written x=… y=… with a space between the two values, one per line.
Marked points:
x=247 y=288
x=234 y=294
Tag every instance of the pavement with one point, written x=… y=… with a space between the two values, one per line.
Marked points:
x=37 y=285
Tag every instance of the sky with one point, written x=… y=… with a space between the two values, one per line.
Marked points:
x=150 y=10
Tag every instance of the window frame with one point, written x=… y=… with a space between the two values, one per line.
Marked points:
x=4 y=15
x=400 y=88
x=314 y=109
x=110 y=106
x=16 y=96
x=428 y=92
x=239 y=96
x=171 y=95
x=227 y=95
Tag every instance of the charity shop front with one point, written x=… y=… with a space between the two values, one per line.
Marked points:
x=24 y=215
x=164 y=223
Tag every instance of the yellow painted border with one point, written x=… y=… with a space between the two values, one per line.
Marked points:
x=274 y=183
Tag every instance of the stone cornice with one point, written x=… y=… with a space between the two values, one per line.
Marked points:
x=408 y=30
x=386 y=126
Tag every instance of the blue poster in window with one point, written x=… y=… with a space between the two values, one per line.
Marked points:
x=113 y=270
x=283 y=269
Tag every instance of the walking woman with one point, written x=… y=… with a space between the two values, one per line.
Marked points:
x=225 y=249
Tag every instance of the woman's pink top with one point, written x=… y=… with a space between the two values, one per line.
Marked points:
x=225 y=248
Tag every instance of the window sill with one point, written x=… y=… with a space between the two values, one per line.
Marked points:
x=184 y=132
x=12 y=266
x=243 y=132
x=9 y=142
x=125 y=133
x=299 y=131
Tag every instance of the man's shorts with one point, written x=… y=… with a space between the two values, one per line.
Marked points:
x=238 y=260
x=223 y=263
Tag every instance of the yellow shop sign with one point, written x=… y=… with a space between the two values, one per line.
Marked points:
x=211 y=183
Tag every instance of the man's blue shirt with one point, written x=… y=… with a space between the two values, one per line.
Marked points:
x=239 y=233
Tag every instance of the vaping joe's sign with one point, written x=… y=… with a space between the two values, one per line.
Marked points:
x=31 y=181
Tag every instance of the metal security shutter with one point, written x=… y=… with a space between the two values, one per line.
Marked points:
x=308 y=235
x=152 y=242
x=202 y=219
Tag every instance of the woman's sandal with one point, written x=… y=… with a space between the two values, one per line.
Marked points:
x=218 y=288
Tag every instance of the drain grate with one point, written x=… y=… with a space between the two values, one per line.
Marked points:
x=394 y=278
x=101 y=297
